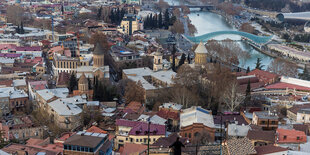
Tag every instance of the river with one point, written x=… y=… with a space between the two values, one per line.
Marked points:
x=208 y=22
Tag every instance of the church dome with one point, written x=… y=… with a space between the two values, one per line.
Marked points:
x=98 y=49
x=201 y=48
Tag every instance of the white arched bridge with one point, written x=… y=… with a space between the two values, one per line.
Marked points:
x=258 y=40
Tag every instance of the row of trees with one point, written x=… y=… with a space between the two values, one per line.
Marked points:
x=159 y=21
x=103 y=91
x=116 y=15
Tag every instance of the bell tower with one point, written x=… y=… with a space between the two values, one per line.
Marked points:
x=158 y=61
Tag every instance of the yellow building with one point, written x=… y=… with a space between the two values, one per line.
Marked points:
x=137 y=132
x=129 y=24
x=201 y=54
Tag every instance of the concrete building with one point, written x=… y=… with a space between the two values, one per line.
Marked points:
x=151 y=81
x=80 y=65
x=265 y=120
x=130 y=24
x=87 y=143
x=123 y=58
x=20 y=128
x=65 y=112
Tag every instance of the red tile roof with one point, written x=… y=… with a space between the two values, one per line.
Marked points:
x=264 y=76
x=95 y=130
x=38 y=85
x=168 y=114
x=130 y=148
x=135 y=107
x=291 y=136
x=282 y=85
x=261 y=150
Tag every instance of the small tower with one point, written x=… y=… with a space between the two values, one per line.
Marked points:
x=201 y=54
x=83 y=84
x=98 y=56
x=158 y=61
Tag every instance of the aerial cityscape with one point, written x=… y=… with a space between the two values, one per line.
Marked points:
x=155 y=77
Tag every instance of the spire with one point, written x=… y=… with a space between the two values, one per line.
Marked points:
x=98 y=49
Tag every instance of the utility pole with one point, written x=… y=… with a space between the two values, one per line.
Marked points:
x=148 y=138
x=221 y=133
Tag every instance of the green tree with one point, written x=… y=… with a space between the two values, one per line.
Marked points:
x=167 y=19
x=99 y=13
x=155 y=22
x=248 y=70
x=174 y=50
x=22 y=31
x=62 y=10
x=72 y=83
x=160 y=20
x=259 y=64
x=18 y=29
x=248 y=93
x=305 y=74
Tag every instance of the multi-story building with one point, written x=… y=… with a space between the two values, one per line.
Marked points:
x=124 y=58
x=87 y=143
x=65 y=64
x=20 y=128
x=151 y=81
x=291 y=139
x=65 y=112
x=266 y=120
x=137 y=132
x=129 y=24
x=196 y=122
x=46 y=96
x=171 y=112
x=34 y=86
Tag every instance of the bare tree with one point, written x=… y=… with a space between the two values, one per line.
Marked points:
x=231 y=97
x=101 y=38
x=185 y=10
x=282 y=67
x=227 y=51
x=177 y=27
x=15 y=14
x=176 y=12
x=202 y=138
x=134 y=92
x=191 y=28
x=162 y=5
x=247 y=27
x=184 y=96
